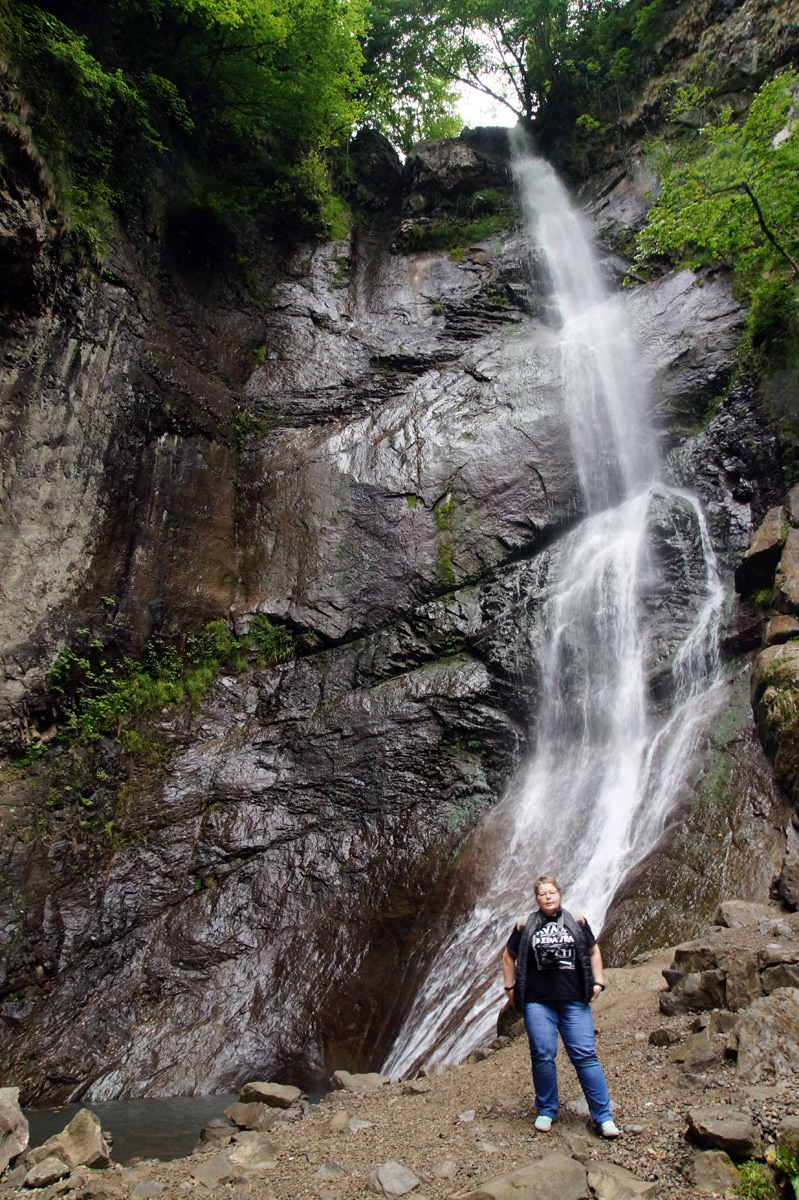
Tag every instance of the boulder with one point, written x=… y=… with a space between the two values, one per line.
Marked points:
x=698 y=1052
x=612 y=1182
x=756 y=569
x=786 y=579
x=768 y=1037
x=788 y=1134
x=695 y=992
x=254 y=1115
x=92 y=1185
x=553 y=1175
x=13 y=1127
x=359 y=1085
x=339 y=1121
x=783 y=975
x=217 y=1131
x=779 y=629
x=329 y=1169
x=252 y=1150
x=663 y=1037
x=79 y=1144
x=392 y=1179
x=46 y=1171
x=713 y=1171
x=148 y=1189
x=719 y=1127
x=735 y=914
x=213 y=1171
x=275 y=1095
x=789 y=879
x=743 y=979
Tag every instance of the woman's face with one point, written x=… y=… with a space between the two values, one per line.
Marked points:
x=548 y=899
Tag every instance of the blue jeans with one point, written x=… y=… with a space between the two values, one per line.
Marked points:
x=573 y=1020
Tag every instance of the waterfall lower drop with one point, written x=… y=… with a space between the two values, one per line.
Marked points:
x=605 y=776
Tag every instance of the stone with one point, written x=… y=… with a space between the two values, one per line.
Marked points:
x=251 y=1149
x=416 y=1087
x=699 y=1051
x=392 y=1179
x=80 y=1144
x=16 y=1176
x=554 y=1175
x=719 y=1127
x=693 y=992
x=217 y=1131
x=359 y=1085
x=468 y=1115
x=339 y=1121
x=213 y=1171
x=714 y=1171
x=743 y=979
x=329 y=1169
x=13 y=1127
x=782 y=975
x=612 y=1182
x=736 y=914
x=447 y=1170
x=788 y=1134
x=355 y=1124
x=786 y=579
x=97 y=1186
x=757 y=568
x=274 y=1095
x=779 y=629
x=254 y=1115
x=663 y=1037
x=768 y=1037
x=788 y=885
x=148 y=1189
x=46 y=1171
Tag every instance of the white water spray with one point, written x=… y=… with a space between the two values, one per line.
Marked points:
x=604 y=777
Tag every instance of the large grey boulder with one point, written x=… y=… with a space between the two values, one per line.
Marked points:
x=742 y=985
x=768 y=1037
x=553 y=1176
x=46 y=1171
x=719 y=1127
x=251 y=1149
x=757 y=567
x=737 y=914
x=79 y=1144
x=13 y=1127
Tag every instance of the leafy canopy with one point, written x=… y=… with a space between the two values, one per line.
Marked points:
x=252 y=93
x=732 y=199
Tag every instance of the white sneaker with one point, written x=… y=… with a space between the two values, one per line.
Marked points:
x=609 y=1129
x=543 y=1124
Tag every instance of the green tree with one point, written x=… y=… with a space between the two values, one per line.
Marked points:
x=731 y=198
x=253 y=94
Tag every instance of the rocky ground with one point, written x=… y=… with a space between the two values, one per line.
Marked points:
x=469 y=1124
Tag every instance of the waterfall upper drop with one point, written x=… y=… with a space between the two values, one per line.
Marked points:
x=606 y=770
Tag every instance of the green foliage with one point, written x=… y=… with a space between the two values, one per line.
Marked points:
x=272 y=642
x=730 y=198
x=547 y=61
x=254 y=94
x=453 y=233
x=756 y=1182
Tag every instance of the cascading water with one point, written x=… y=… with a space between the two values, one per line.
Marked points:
x=605 y=775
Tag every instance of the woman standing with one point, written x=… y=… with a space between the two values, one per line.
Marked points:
x=553 y=967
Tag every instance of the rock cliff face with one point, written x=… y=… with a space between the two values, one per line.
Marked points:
x=365 y=442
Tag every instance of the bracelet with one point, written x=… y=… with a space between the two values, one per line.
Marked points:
x=601 y=986
x=509 y=989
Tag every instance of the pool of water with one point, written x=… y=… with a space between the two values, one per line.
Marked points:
x=162 y=1129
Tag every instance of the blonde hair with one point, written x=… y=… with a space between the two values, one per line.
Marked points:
x=544 y=879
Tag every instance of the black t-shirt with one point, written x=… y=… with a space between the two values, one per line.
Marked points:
x=561 y=978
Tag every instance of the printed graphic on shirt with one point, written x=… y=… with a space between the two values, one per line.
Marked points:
x=553 y=947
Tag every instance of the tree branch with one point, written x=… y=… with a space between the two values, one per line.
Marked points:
x=745 y=188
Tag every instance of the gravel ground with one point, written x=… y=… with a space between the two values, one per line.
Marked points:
x=476 y=1120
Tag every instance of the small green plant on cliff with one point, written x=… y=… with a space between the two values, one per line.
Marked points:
x=272 y=642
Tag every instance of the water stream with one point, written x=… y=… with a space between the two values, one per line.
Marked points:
x=606 y=772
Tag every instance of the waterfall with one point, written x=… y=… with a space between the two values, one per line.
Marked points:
x=606 y=772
